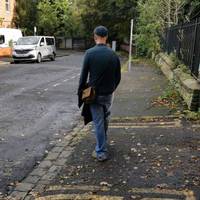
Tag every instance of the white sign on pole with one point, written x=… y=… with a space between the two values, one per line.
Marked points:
x=114 y=45
x=35 y=30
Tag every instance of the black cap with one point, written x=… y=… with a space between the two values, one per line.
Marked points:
x=101 y=31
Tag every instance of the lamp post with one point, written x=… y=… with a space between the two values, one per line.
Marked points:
x=130 y=47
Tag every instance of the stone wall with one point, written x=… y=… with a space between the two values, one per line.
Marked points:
x=188 y=86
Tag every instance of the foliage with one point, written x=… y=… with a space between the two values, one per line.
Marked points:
x=47 y=17
x=25 y=15
x=115 y=14
x=154 y=17
x=80 y=17
x=148 y=27
x=191 y=10
x=55 y=17
x=193 y=116
x=10 y=43
x=176 y=62
x=170 y=98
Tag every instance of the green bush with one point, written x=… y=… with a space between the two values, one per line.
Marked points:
x=10 y=43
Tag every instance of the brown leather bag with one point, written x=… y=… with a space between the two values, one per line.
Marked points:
x=88 y=95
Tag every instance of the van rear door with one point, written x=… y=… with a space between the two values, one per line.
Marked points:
x=50 y=41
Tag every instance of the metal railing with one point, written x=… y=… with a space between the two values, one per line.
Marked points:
x=184 y=40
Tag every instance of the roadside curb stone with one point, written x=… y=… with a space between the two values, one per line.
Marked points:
x=38 y=172
x=47 y=170
x=23 y=187
x=57 y=149
x=17 y=195
x=4 y=63
x=52 y=156
x=32 y=179
x=45 y=164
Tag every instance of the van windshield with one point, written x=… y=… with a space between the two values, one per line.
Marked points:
x=2 y=39
x=28 y=40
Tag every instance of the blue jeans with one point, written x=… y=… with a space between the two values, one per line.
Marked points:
x=100 y=115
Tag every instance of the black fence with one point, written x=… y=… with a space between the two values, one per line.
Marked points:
x=184 y=40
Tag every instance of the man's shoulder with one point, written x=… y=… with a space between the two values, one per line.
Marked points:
x=95 y=49
x=91 y=50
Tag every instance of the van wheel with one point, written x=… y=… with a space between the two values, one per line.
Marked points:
x=39 y=58
x=53 y=57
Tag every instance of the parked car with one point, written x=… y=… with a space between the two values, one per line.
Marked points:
x=34 y=48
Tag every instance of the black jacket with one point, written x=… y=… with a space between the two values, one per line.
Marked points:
x=104 y=70
x=102 y=66
x=86 y=113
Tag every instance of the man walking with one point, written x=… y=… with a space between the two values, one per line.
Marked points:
x=102 y=66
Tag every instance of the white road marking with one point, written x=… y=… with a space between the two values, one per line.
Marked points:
x=73 y=77
x=57 y=84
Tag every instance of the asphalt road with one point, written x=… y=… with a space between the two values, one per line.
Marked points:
x=38 y=106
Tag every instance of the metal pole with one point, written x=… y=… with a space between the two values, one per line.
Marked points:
x=192 y=67
x=130 y=47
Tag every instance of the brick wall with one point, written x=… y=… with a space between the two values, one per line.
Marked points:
x=6 y=13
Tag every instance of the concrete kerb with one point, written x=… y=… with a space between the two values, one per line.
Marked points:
x=4 y=63
x=63 y=53
x=59 y=56
x=47 y=170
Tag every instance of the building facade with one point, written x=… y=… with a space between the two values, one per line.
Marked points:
x=6 y=13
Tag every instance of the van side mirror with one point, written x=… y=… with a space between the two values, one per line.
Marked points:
x=42 y=44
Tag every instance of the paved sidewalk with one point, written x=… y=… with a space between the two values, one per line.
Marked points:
x=154 y=155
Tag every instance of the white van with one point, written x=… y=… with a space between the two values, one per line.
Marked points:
x=35 y=48
x=9 y=36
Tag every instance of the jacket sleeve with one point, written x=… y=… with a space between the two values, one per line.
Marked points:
x=118 y=73
x=84 y=73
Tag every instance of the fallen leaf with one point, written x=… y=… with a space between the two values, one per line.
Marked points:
x=134 y=150
x=104 y=183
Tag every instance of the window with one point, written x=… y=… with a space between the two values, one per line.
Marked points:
x=41 y=41
x=31 y=40
x=8 y=5
x=2 y=39
x=50 y=41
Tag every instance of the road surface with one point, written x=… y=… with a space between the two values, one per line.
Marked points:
x=38 y=106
